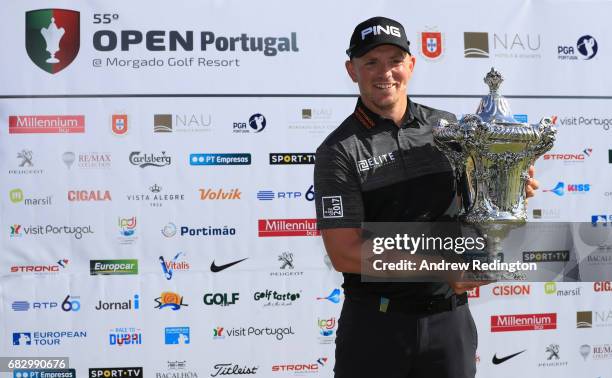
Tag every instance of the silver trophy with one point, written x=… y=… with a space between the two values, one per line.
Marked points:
x=494 y=151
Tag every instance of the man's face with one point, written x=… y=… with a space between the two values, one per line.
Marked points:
x=382 y=75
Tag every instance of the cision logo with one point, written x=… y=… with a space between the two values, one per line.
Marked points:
x=561 y=189
x=17 y=197
x=220 y=159
x=300 y=368
x=122 y=336
x=131 y=372
x=570 y=158
x=113 y=267
x=269 y=195
x=585 y=48
x=46 y=338
x=523 y=322
x=177 y=336
x=52 y=38
x=287 y=227
x=256 y=124
x=511 y=290
x=46 y=124
x=77 y=232
x=291 y=158
x=25 y=164
x=176 y=264
x=504 y=45
x=168 y=123
x=149 y=159
x=41 y=269
x=273 y=298
x=171 y=300
x=175 y=369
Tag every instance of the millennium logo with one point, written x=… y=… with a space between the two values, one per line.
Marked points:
x=52 y=38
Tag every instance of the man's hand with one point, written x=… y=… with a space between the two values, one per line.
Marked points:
x=461 y=287
x=532 y=184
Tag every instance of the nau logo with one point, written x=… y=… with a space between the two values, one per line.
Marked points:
x=431 y=45
x=378 y=29
x=52 y=38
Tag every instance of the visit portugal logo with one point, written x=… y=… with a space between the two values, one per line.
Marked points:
x=52 y=38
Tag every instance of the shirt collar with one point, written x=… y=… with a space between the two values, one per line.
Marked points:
x=370 y=119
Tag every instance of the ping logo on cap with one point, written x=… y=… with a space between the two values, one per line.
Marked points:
x=377 y=29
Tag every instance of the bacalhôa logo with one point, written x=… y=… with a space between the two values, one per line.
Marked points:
x=287 y=227
x=511 y=290
x=46 y=124
x=52 y=38
x=523 y=322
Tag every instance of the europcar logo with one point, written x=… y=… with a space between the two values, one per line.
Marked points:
x=111 y=267
x=52 y=38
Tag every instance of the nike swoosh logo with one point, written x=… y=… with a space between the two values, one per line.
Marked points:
x=497 y=361
x=214 y=268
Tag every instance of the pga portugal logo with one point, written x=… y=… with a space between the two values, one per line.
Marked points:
x=52 y=38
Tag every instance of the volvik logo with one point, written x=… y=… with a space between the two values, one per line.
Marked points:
x=523 y=322
x=220 y=194
x=52 y=38
x=89 y=195
x=46 y=124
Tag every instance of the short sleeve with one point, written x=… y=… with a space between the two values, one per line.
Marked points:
x=338 y=199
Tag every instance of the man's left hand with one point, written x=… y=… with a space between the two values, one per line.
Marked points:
x=532 y=184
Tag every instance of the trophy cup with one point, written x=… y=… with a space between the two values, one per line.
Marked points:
x=494 y=151
x=52 y=35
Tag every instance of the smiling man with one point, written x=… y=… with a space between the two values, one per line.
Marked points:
x=381 y=165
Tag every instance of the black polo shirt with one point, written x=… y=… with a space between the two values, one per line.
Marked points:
x=371 y=170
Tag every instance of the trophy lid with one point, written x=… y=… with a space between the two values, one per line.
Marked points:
x=494 y=107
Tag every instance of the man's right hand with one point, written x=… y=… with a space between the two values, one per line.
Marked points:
x=462 y=287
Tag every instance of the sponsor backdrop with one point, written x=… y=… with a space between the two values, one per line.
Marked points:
x=157 y=159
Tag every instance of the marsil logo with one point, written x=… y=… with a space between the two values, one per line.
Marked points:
x=52 y=38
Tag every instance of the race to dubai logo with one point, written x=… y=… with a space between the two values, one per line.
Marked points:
x=52 y=38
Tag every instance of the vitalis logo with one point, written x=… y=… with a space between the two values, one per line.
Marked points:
x=132 y=372
x=150 y=160
x=52 y=38
x=168 y=267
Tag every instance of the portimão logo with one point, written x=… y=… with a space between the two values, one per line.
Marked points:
x=52 y=38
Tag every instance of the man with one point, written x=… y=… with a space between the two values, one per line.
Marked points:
x=381 y=165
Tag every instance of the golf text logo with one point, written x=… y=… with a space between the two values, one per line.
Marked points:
x=52 y=38
x=131 y=372
x=177 y=336
x=111 y=267
x=130 y=304
x=44 y=338
x=150 y=160
x=167 y=123
x=171 y=300
x=523 y=322
x=170 y=266
x=269 y=195
x=221 y=299
x=560 y=189
x=585 y=48
x=125 y=336
x=220 y=159
x=257 y=123
x=289 y=158
x=89 y=195
x=76 y=231
x=272 y=298
x=46 y=124
x=279 y=333
x=17 y=196
x=287 y=227
x=220 y=194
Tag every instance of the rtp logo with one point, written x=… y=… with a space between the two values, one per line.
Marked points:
x=52 y=38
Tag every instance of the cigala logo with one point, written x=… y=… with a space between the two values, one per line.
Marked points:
x=52 y=38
